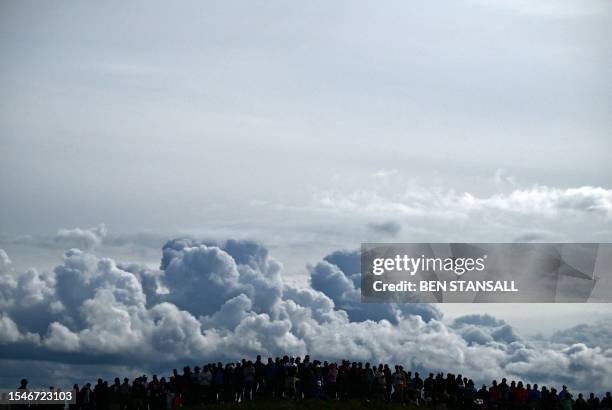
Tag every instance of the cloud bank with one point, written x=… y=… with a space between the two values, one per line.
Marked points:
x=223 y=301
x=537 y=200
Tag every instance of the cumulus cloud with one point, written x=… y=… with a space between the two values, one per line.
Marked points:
x=27 y=297
x=197 y=272
x=338 y=277
x=16 y=291
x=81 y=238
x=222 y=301
x=9 y=332
x=484 y=329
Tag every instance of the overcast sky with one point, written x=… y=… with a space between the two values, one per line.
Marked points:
x=148 y=117
x=309 y=127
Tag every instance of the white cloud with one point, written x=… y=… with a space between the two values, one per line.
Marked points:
x=105 y=312
x=5 y=261
x=10 y=333
x=61 y=338
x=503 y=177
x=81 y=238
x=537 y=200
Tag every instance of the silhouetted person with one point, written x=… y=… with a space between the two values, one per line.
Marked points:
x=566 y=402
x=580 y=403
x=606 y=402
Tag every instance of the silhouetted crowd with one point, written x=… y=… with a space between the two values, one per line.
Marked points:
x=291 y=378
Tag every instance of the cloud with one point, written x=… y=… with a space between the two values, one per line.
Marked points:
x=329 y=279
x=592 y=335
x=10 y=333
x=201 y=277
x=349 y=262
x=389 y=228
x=385 y=173
x=27 y=297
x=42 y=373
x=537 y=200
x=338 y=277
x=478 y=320
x=21 y=291
x=484 y=329
x=540 y=236
x=61 y=338
x=81 y=238
x=503 y=177
x=5 y=261
x=223 y=301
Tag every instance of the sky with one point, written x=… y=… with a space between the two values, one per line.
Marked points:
x=306 y=128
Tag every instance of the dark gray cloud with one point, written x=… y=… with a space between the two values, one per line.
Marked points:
x=338 y=276
x=388 y=228
x=348 y=262
x=540 y=236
